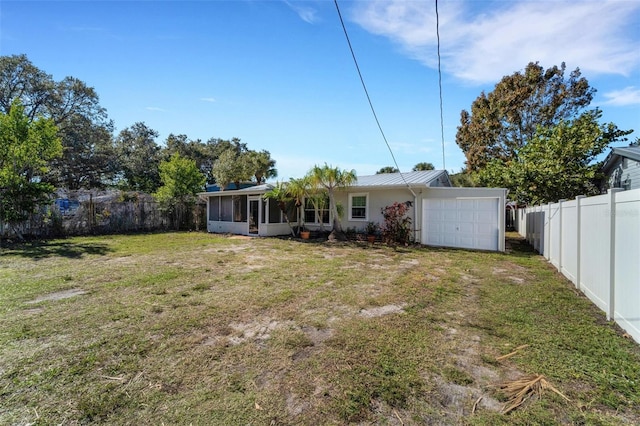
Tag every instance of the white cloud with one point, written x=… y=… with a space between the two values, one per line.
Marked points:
x=208 y=99
x=625 y=97
x=481 y=45
x=305 y=12
x=154 y=109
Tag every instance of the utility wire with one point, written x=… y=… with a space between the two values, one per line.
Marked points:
x=440 y=85
x=364 y=86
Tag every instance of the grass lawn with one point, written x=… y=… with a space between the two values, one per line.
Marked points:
x=193 y=328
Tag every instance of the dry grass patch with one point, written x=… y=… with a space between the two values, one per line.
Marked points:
x=201 y=329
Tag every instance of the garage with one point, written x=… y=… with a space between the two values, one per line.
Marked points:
x=471 y=218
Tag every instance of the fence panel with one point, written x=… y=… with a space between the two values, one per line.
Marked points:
x=594 y=242
x=569 y=240
x=595 y=250
x=627 y=265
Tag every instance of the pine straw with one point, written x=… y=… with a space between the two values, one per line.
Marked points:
x=519 y=391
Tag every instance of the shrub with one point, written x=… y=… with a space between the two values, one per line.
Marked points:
x=396 y=228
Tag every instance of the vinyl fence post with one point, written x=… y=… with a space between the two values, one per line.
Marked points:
x=560 y=206
x=579 y=238
x=612 y=252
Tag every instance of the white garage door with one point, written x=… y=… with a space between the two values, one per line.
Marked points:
x=463 y=222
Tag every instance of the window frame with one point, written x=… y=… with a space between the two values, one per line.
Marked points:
x=366 y=207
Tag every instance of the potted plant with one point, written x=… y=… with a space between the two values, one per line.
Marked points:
x=371 y=229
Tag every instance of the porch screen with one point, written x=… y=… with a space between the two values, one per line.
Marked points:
x=226 y=209
x=274 y=212
x=240 y=208
x=214 y=208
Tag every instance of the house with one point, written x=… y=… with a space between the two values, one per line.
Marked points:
x=440 y=214
x=622 y=168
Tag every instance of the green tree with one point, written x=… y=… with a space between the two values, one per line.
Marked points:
x=281 y=195
x=261 y=165
x=423 y=167
x=387 y=169
x=26 y=147
x=231 y=167
x=83 y=126
x=181 y=181
x=331 y=179
x=88 y=154
x=139 y=158
x=505 y=120
x=557 y=163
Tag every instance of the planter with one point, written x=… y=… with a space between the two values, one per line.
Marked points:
x=305 y=235
x=371 y=238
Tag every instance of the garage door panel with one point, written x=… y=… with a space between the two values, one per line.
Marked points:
x=466 y=223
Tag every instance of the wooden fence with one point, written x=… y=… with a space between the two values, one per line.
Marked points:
x=595 y=243
x=107 y=217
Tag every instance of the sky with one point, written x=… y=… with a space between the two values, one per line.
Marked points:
x=279 y=75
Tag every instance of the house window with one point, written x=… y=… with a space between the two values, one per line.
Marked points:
x=240 y=208
x=358 y=206
x=316 y=211
x=226 y=208
x=214 y=208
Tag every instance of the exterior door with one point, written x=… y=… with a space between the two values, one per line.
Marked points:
x=254 y=216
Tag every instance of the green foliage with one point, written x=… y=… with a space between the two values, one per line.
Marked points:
x=557 y=163
x=261 y=165
x=423 y=167
x=505 y=120
x=387 y=169
x=26 y=147
x=83 y=126
x=281 y=195
x=332 y=178
x=397 y=225
x=139 y=158
x=181 y=181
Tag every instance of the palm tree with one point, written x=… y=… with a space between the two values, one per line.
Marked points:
x=332 y=178
x=281 y=196
x=297 y=190
x=262 y=165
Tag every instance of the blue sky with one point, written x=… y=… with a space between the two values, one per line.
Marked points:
x=279 y=74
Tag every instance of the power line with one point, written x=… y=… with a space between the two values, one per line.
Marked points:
x=364 y=86
x=440 y=85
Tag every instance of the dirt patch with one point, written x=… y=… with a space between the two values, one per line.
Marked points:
x=59 y=295
x=382 y=310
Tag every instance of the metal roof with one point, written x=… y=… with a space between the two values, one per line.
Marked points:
x=632 y=152
x=399 y=179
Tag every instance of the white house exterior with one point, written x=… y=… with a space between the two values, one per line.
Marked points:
x=440 y=215
x=622 y=168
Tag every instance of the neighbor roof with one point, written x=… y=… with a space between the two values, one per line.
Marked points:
x=632 y=152
x=420 y=178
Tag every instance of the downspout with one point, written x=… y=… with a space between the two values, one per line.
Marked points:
x=415 y=213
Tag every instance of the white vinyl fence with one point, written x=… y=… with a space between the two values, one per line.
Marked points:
x=595 y=243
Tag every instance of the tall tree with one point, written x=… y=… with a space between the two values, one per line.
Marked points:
x=230 y=167
x=506 y=119
x=74 y=107
x=139 y=158
x=181 y=181
x=88 y=155
x=331 y=179
x=26 y=147
x=558 y=163
x=387 y=169
x=423 y=167
x=261 y=165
